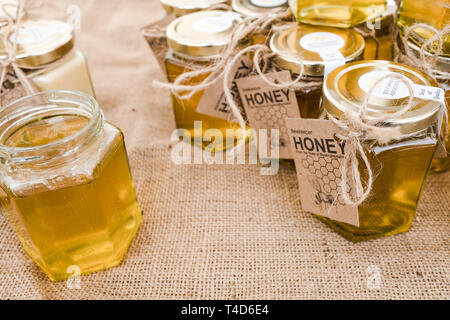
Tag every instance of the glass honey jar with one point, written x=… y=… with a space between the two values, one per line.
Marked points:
x=66 y=184
x=182 y=7
x=337 y=13
x=434 y=13
x=196 y=40
x=319 y=49
x=45 y=50
x=440 y=64
x=380 y=45
x=400 y=167
x=258 y=8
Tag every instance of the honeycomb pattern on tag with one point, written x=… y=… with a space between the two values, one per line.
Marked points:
x=274 y=118
x=328 y=176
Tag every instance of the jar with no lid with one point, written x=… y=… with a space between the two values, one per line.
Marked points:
x=66 y=184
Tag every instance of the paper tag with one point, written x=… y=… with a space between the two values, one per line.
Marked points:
x=11 y=88
x=318 y=159
x=327 y=45
x=214 y=103
x=267 y=107
x=156 y=39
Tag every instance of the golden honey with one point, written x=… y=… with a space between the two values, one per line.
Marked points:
x=442 y=63
x=434 y=13
x=191 y=42
x=401 y=167
x=338 y=13
x=381 y=46
x=66 y=184
x=291 y=54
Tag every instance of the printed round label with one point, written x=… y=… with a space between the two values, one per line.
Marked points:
x=215 y=24
x=322 y=41
x=268 y=3
x=389 y=88
x=36 y=34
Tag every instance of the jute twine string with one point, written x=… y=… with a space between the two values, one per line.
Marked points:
x=354 y=129
x=10 y=60
x=426 y=61
x=215 y=70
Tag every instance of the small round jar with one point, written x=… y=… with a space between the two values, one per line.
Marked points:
x=45 y=49
x=302 y=45
x=401 y=167
x=66 y=184
x=196 y=40
x=441 y=64
x=183 y=7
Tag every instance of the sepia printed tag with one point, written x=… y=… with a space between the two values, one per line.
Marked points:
x=213 y=102
x=11 y=89
x=318 y=159
x=268 y=107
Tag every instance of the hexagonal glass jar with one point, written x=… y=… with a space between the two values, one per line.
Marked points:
x=66 y=184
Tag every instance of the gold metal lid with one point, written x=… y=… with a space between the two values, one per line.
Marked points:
x=346 y=88
x=255 y=8
x=203 y=33
x=184 y=7
x=40 y=42
x=289 y=46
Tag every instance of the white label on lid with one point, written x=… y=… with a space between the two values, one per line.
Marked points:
x=268 y=3
x=327 y=45
x=36 y=34
x=393 y=88
x=216 y=24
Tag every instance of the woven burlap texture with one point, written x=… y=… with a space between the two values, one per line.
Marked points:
x=220 y=231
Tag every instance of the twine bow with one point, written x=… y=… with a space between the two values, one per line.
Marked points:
x=10 y=60
x=354 y=129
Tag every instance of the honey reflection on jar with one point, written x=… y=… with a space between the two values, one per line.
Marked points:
x=66 y=184
x=401 y=167
x=290 y=55
x=189 y=44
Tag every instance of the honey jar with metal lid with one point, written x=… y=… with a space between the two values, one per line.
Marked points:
x=314 y=48
x=46 y=50
x=337 y=13
x=183 y=7
x=439 y=65
x=425 y=18
x=197 y=40
x=400 y=167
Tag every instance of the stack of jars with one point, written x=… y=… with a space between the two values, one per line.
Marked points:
x=346 y=46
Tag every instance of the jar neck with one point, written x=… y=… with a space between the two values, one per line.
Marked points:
x=48 y=105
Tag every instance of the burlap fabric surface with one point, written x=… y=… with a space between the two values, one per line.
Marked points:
x=220 y=231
